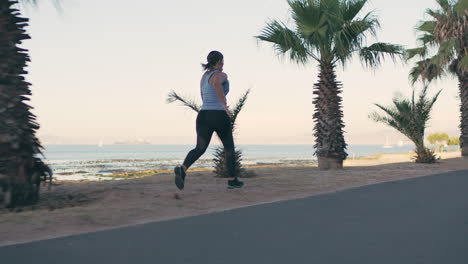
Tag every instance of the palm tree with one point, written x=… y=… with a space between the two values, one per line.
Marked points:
x=219 y=154
x=328 y=32
x=443 y=50
x=21 y=170
x=410 y=118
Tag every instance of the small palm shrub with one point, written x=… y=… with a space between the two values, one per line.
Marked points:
x=410 y=117
x=425 y=155
x=220 y=163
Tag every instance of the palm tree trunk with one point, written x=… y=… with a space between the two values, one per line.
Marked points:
x=420 y=149
x=18 y=144
x=463 y=85
x=328 y=124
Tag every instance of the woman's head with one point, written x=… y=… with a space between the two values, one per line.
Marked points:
x=215 y=61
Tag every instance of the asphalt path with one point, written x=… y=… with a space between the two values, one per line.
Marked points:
x=421 y=220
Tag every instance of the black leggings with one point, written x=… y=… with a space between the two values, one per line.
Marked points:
x=209 y=121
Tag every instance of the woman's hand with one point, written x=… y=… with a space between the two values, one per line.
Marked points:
x=228 y=112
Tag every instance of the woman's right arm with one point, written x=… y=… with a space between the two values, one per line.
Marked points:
x=201 y=86
x=217 y=81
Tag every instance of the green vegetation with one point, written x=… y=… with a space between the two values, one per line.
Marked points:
x=439 y=139
x=409 y=117
x=442 y=139
x=453 y=141
x=329 y=32
x=21 y=170
x=443 y=50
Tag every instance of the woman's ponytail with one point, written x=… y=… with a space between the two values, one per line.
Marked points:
x=212 y=58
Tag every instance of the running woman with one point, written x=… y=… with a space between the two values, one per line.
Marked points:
x=214 y=116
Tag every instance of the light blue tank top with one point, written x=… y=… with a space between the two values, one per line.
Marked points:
x=210 y=99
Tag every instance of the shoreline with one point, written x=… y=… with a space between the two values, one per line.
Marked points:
x=381 y=158
x=80 y=162
x=79 y=207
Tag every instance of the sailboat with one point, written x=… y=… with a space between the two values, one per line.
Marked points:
x=100 y=144
x=387 y=145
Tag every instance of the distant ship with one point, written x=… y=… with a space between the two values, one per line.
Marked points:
x=100 y=144
x=132 y=142
x=387 y=145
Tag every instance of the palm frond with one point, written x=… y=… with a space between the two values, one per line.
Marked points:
x=403 y=106
x=444 y=4
x=374 y=116
x=427 y=40
x=392 y=113
x=423 y=108
x=309 y=17
x=173 y=97
x=369 y=23
x=461 y=7
x=373 y=55
x=432 y=101
x=285 y=41
x=445 y=53
x=411 y=53
x=463 y=64
x=239 y=105
x=352 y=8
x=426 y=26
x=352 y=35
x=426 y=71
x=436 y=14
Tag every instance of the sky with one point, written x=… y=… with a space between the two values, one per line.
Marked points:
x=101 y=70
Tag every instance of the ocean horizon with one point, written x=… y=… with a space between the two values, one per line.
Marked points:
x=160 y=151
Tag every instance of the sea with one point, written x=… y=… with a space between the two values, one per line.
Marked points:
x=95 y=162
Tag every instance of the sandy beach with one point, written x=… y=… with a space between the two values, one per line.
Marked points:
x=76 y=207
